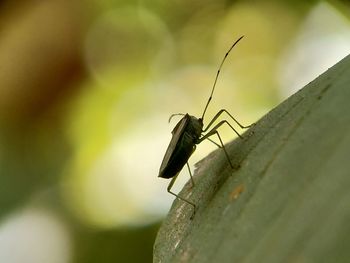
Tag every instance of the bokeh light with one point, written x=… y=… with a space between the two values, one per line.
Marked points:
x=323 y=40
x=34 y=235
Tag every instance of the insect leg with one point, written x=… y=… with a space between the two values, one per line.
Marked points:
x=218 y=145
x=217 y=126
x=176 y=195
x=217 y=116
x=214 y=131
x=189 y=170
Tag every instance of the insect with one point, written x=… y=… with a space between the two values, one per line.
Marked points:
x=189 y=132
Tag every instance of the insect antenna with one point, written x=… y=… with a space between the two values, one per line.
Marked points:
x=175 y=114
x=217 y=75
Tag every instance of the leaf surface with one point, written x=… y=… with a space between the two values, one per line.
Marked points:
x=288 y=198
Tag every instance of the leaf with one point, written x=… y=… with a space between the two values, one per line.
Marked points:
x=287 y=200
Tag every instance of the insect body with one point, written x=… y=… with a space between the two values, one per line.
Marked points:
x=186 y=135
x=189 y=132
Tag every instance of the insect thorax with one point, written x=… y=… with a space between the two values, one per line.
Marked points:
x=195 y=127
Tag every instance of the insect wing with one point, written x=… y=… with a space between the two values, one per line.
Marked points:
x=177 y=132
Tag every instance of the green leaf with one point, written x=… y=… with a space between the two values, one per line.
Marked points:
x=287 y=200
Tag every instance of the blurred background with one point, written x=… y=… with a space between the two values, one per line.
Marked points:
x=86 y=89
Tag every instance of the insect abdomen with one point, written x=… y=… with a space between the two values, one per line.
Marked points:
x=180 y=156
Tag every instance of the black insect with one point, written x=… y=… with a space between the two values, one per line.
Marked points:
x=187 y=133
